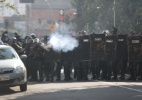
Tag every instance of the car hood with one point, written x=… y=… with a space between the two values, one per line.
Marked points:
x=9 y=63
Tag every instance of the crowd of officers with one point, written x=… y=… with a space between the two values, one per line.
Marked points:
x=44 y=64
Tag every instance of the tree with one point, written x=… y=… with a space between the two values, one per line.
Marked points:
x=128 y=14
x=3 y=3
x=87 y=13
x=131 y=16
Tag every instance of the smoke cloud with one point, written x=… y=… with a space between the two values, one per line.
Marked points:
x=61 y=39
x=62 y=42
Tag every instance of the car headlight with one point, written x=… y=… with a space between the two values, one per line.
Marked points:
x=19 y=69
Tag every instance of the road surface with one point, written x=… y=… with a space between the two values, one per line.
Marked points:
x=73 y=90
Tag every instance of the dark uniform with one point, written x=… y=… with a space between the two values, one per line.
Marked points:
x=139 y=72
x=16 y=46
x=51 y=67
x=122 y=54
x=135 y=56
x=58 y=70
x=27 y=49
x=66 y=58
x=36 y=54
x=110 y=56
x=49 y=63
x=84 y=53
x=98 y=56
x=5 y=38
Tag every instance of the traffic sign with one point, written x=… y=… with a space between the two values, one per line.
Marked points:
x=51 y=27
x=61 y=12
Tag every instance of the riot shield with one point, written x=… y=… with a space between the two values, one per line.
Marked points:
x=98 y=46
x=135 y=49
x=77 y=52
x=122 y=47
x=111 y=45
x=84 y=47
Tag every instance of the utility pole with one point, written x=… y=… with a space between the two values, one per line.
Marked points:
x=28 y=18
x=114 y=14
x=51 y=24
x=28 y=12
x=49 y=5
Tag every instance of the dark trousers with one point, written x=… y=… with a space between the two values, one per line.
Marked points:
x=75 y=67
x=67 y=69
x=49 y=71
x=98 y=69
x=103 y=66
x=58 y=70
x=37 y=67
x=123 y=68
x=140 y=70
x=28 y=64
x=82 y=73
x=93 y=69
x=109 y=65
x=115 y=69
x=119 y=66
x=133 y=69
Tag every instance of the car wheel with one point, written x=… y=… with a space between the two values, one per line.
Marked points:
x=23 y=87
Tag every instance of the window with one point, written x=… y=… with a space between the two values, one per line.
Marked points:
x=7 y=53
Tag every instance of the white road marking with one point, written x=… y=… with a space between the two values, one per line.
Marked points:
x=123 y=87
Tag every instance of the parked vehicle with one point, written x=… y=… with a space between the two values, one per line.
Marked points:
x=12 y=70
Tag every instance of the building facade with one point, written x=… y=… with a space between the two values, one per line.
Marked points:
x=39 y=17
x=45 y=13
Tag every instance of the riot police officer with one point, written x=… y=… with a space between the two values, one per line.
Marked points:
x=5 y=38
x=28 y=42
x=16 y=46
x=37 y=59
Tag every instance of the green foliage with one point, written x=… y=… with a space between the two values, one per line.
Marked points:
x=128 y=14
x=2 y=1
x=9 y=5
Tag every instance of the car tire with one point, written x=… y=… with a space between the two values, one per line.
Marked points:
x=23 y=87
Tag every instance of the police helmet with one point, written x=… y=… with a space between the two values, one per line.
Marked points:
x=29 y=40
x=13 y=38
x=33 y=35
x=36 y=40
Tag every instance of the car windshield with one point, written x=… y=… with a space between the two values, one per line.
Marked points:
x=7 y=53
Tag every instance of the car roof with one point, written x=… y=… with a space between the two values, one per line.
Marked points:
x=4 y=46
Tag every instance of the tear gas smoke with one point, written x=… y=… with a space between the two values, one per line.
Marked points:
x=62 y=42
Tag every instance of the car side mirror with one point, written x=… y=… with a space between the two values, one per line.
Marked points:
x=23 y=56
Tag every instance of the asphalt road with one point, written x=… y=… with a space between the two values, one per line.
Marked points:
x=91 y=90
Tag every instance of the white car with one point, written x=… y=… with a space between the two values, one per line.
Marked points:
x=12 y=70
